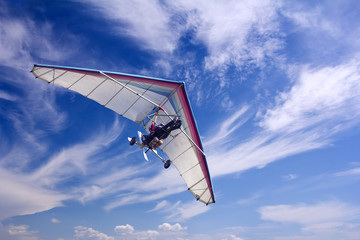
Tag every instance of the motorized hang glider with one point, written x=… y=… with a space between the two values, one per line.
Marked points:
x=145 y=101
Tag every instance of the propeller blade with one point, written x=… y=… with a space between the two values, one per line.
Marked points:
x=145 y=156
x=140 y=134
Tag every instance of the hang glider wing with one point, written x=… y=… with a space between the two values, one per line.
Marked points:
x=136 y=98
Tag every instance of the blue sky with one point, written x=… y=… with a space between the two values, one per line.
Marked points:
x=275 y=90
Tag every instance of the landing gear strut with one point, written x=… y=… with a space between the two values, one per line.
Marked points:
x=133 y=141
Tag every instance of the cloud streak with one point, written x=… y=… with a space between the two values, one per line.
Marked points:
x=233 y=32
x=151 y=23
x=20 y=196
x=323 y=212
x=321 y=103
x=40 y=190
x=331 y=218
x=19 y=36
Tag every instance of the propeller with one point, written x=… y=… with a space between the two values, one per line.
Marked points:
x=145 y=155
x=144 y=149
x=140 y=135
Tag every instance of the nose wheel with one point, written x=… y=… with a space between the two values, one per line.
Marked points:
x=133 y=141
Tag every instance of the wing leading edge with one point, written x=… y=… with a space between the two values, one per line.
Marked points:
x=136 y=97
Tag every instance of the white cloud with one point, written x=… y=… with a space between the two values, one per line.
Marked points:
x=31 y=192
x=354 y=171
x=23 y=42
x=20 y=36
x=22 y=232
x=321 y=103
x=74 y=160
x=89 y=233
x=150 y=22
x=29 y=110
x=311 y=19
x=233 y=32
x=124 y=232
x=327 y=94
x=290 y=177
x=233 y=237
x=169 y=227
x=227 y=127
x=7 y=96
x=54 y=220
x=19 y=196
x=14 y=39
x=185 y=211
x=324 y=220
x=163 y=205
x=124 y=229
x=321 y=214
x=137 y=190
x=118 y=180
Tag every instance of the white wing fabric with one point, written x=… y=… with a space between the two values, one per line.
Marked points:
x=136 y=97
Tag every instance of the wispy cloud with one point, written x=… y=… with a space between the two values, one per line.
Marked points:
x=309 y=214
x=150 y=187
x=163 y=205
x=74 y=160
x=251 y=199
x=227 y=127
x=327 y=94
x=180 y=211
x=7 y=96
x=233 y=32
x=19 y=36
x=350 y=172
x=19 y=196
x=321 y=103
x=22 y=42
x=54 y=220
x=290 y=176
x=321 y=217
x=151 y=23
x=21 y=190
x=22 y=232
x=25 y=114
x=188 y=210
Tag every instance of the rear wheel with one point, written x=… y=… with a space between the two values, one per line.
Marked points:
x=167 y=164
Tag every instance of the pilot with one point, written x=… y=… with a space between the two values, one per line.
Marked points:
x=159 y=132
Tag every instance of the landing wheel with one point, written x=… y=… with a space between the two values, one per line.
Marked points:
x=167 y=164
x=133 y=141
